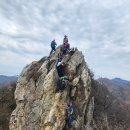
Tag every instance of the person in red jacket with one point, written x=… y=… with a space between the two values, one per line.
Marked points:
x=66 y=47
x=65 y=40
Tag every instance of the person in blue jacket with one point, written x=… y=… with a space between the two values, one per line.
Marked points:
x=53 y=46
x=70 y=115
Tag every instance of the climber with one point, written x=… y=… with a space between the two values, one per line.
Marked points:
x=70 y=115
x=66 y=48
x=61 y=85
x=59 y=59
x=60 y=66
x=60 y=55
x=70 y=109
x=64 y=78
x=53 y=46
x=65 y=40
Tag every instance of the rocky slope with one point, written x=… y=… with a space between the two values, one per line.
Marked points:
x=119 y=88
x=110 y=113
x=40 y=107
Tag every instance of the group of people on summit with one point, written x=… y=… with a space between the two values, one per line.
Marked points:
x=65 y=47
x=60 y=65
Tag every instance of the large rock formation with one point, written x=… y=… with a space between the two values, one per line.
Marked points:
x=40 y=107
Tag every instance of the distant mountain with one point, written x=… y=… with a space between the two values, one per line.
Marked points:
x=121 y=81
x=6 y=79
x=119 y=87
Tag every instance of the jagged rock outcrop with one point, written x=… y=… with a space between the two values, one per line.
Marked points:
x=40 y=107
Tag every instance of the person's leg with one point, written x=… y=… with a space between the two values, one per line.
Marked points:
x=61 y=49
x=58 y=86
x=65 y=51
x=51 y=51
x=69 y=121
x=60 y=72
x=54 y=48
x=63 y=84
x=61 y=87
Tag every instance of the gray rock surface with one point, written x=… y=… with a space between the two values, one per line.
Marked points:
x=40 y=107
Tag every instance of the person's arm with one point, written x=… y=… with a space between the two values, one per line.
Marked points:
x=72 y=111
x=68 y=46
x=55 y=44
x=58 y=64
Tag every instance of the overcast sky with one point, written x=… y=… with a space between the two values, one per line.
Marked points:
x=99 y=28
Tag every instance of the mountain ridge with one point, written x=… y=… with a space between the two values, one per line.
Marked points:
x=119 y=80
x=120 y=88
x=5 y=79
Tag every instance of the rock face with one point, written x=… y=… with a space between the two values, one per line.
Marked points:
x=40 y=107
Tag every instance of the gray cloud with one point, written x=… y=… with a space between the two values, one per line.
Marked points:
x=100 y=29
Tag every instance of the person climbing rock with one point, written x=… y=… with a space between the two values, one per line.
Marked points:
x=70 y=109
x=66 y=48
x=70 y=115
x=60 y=55
x=53 y=46
x=65 y=40
x=59 y=59
x=60 y=66
x=61 y=85
x=64 y=78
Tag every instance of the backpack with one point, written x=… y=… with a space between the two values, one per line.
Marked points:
x=61 y=85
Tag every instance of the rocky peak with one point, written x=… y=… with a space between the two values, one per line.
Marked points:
x=40 y=107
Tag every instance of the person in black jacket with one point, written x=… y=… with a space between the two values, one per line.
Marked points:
x=60 y=66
